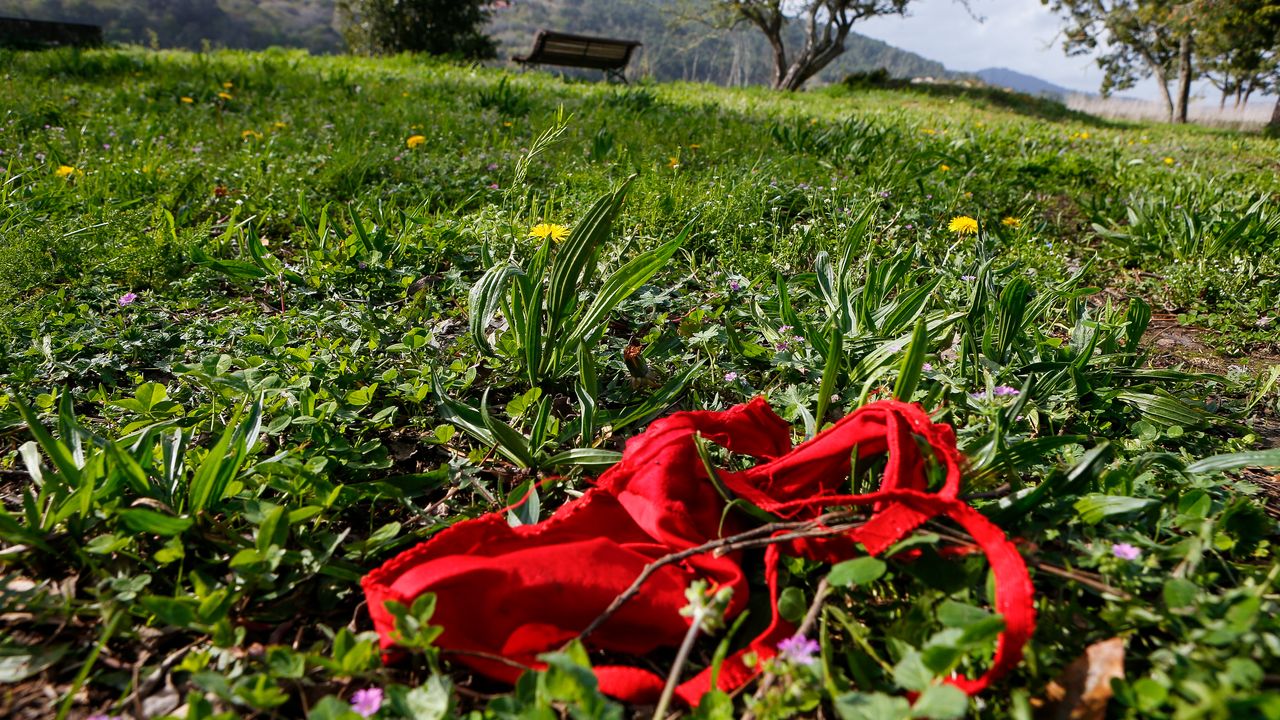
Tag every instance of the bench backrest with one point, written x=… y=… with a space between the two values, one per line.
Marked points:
x=554 y=48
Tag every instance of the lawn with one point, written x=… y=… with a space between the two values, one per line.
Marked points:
x=272 y=319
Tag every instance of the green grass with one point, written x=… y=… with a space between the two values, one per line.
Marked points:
x=305 y=340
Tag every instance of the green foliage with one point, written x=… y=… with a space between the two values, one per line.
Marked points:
x=436 y=27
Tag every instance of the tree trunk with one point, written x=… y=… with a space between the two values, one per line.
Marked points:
x=779 y=60
x=1163 y=82
x=1274 y=125
x=1185 y=47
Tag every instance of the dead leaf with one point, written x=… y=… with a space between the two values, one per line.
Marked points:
x=1083 y=689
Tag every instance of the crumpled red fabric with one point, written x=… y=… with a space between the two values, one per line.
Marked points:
x=514 y=592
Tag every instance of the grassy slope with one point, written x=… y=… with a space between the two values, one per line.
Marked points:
x=766 y=181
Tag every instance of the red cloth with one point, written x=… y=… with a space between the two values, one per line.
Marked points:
x=516 y=592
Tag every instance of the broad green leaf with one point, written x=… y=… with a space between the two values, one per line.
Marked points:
x=145 y=520
x=792 y=605
x=831 y=371
x=941 y=702
x=859 y=571
x=620 y=285
x=1094 y=508
x=912 y=363
x=1164 y=410
x=586 y=457
x=19 y=662
x=1179 y=593
x=575 y=259
x=1235 y=461
x=506 y=440
x=877 y=706
x=484 y=300
x=57 y=452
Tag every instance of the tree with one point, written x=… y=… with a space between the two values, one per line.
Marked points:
x=825 y=24
x=1143 y=38
x=438 y=27
x=1241 y=49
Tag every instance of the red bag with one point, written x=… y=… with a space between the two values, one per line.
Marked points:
x=515 y=592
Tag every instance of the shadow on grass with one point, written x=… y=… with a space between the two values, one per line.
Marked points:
x=1017 y=102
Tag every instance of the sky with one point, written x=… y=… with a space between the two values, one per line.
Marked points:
x=1021 y=35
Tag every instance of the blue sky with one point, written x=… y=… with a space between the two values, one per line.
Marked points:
x=1020 y=35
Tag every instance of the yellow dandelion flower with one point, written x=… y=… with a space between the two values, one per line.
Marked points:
x=1168 y=161
x=224 y=95
x=928 y=131
x=227 y=85
x=963 y=225
x=65 y=171
x=944 y=168
x=278 y=125
x=415 y=140
x=695 y=146
x=544 y=230
x=251 y=134
x=187 y=100
x=507 y=123
x=1012 y=222
x=673 y=162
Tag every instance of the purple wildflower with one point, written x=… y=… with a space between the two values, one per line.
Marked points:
x=366 y=702
x=799 y=649
x=493 y=186
x=1125 y=551
x=734 y=285
x=927 y=367
x=1004 y=390
x=493 y=166
x=968 y=278
x=127 y=299
x=730 y=376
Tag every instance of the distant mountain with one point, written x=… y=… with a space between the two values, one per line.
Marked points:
x=251 y=24
x=678 y=48
x=1021 y=82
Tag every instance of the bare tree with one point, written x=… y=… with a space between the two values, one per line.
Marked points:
x=825 y=26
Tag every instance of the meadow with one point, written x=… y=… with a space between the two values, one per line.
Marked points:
x=271 y=319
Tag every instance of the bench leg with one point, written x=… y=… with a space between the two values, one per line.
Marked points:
x=616 y=75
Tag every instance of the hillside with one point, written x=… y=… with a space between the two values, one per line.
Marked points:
x=1021 y=82
x=252 y=24
x=690 y=50
x=673 y=50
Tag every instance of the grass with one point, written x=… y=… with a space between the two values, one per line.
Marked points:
x=194 y=480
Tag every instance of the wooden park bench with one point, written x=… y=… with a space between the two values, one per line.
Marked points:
x=596 y=53
x=35 y=34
